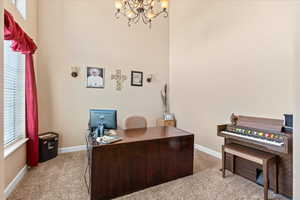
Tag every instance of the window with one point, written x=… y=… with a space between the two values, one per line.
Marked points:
x=21 y=6
x=14 y=95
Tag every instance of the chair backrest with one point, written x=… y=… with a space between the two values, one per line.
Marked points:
x=135 y=122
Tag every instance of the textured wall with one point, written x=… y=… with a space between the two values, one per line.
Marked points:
x=79 y=33
x=229 y=56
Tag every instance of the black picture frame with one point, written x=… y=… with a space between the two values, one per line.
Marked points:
x=137 y=78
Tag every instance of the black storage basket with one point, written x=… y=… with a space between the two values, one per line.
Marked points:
x=48 y=146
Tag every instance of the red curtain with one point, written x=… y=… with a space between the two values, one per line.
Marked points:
x=22 y=43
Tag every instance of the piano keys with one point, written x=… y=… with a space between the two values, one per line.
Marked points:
x=277 y=141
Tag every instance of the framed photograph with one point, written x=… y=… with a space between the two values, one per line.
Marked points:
x=136 y=78
x=95 y=77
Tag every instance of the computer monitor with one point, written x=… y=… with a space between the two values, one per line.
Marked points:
x=109 y=118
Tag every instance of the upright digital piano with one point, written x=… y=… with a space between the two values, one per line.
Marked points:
x=261 y=134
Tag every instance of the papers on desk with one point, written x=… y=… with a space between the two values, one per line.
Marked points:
x=108 y=139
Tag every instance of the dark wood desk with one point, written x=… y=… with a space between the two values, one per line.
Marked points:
x=144 y=158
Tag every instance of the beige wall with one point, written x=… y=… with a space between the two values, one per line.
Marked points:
x=79 y=33
x=1 y=105
x=16 y=161
x=297 y=105
x=229 y=56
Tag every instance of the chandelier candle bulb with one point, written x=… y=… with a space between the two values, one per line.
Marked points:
x=118 y=4
x=151 y=14
x=153 y=3
x=164 y=4
x=130 y=14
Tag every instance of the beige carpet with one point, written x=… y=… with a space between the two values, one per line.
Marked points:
x=62 y=179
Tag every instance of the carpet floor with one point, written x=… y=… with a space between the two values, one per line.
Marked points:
x=62 y=179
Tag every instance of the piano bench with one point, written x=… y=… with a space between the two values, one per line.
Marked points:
x=263 y=158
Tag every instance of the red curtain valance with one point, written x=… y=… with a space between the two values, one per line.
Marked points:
x=21 y=42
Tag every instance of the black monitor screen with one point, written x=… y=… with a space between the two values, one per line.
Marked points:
x=109 y=117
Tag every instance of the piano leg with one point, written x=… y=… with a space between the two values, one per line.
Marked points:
x=223 y=161
x=275 y=175
x=266 y=179
x=233 y=164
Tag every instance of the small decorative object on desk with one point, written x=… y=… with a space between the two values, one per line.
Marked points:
x=162 y=122
x=169 y=116
x=165 y=100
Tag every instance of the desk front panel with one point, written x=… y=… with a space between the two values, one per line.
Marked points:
x=125 y=168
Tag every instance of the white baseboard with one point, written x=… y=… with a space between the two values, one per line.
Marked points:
x=208 y=151
x=12 y=185
x=72 y=149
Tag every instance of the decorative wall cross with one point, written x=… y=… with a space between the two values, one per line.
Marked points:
x=119 y=79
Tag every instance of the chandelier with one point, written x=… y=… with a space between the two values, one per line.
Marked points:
x=141 y=10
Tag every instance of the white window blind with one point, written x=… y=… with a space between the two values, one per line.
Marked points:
x=21 y=7
x=14 y=95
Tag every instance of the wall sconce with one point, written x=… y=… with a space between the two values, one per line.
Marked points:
x=149 y=78
x=75 y=71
